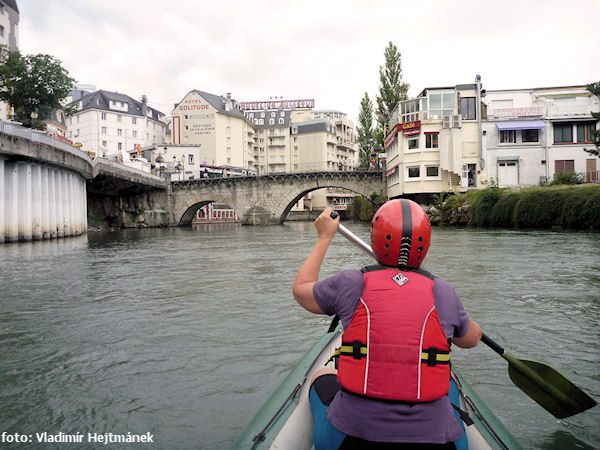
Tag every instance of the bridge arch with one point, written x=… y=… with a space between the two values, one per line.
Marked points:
x=266 y=199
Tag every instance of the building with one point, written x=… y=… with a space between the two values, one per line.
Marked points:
x=217 y=125
x=434 y=143
x=532 y=134
x=111 y=125
x=9 y=36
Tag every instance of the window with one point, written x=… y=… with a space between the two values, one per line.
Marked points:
x=563 y=132
x=134 y=134
x=103 y=116
x=431 y=140
x=103 y=130
x=120 y=146
x=228 y=130
x=103 y=143
x=134 y=120
x=432 y=171
x=119 y=117
x=584 y=131
x=413 y=143
x=467 y=108
x=414 y=172
x=281 y=121
x=190 y=159
x=282 y=114
x=564 y=165
x=119 y=132
x=271 y=121
x=530 y=135
x=508 y=136
x=1 y=30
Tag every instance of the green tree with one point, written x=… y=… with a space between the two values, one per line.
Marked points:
x=33 y=85
x=365 y=132
x=594 y=88
x=391 y=89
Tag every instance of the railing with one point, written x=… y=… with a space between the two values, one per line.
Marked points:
x=41 y=137
x=592 y=176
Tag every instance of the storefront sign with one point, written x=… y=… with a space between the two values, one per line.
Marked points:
x=518 y=112
x=410 y=128
x=276 y=104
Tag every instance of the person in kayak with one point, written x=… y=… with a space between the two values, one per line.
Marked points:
x=390 y=389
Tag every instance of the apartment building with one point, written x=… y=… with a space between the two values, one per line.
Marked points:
x=531 y=134
x=110 y=124
x=217 y=125
x=9 y=36
x=434 y=143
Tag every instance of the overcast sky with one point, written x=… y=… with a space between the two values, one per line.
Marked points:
x=327 y=50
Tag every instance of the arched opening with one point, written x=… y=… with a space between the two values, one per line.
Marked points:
x=306 y=207
x=209 y=212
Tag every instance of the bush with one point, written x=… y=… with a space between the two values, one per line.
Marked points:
x=502 y=213
x=362 y=209
x=482 y=205
x=562 y=177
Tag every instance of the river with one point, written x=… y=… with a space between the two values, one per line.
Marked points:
x=184 y=332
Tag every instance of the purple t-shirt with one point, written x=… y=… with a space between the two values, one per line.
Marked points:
x=431 y=422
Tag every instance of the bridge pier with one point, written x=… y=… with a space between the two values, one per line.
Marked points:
x=39 y=202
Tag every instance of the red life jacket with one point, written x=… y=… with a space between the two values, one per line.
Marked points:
x=395 y=347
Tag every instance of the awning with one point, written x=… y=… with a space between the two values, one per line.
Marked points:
x=521 y=125
x=391 y=171
x=507 y=158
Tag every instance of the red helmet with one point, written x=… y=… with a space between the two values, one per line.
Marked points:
x=400 y=234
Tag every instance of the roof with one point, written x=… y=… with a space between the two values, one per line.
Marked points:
x=101 y=100
x=218 y=102
x=312 y=126
x=11 y=4
x=255 y=116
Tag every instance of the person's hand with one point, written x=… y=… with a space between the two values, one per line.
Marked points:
x=325 y=225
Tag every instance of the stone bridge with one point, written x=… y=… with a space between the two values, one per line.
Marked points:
x=266 y=199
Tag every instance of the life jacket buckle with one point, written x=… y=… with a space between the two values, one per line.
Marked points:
x=356 y=346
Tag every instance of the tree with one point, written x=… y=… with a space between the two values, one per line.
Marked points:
x=391 y=89
x=365 y=132
x=594 y=88
x=33 y=85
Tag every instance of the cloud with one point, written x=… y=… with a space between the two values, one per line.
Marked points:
x=327 y=50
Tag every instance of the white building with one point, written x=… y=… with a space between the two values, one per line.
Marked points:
x=9 y=36
x=433 y=144
x=111 y=125
x=531 y=134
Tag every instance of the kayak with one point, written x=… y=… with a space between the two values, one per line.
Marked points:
x=285 y=420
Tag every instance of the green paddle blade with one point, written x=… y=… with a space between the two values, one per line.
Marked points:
x=548 y=387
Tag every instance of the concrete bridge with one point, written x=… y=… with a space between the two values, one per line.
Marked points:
x=49 y=189
x=45 y=184
x=265 y=199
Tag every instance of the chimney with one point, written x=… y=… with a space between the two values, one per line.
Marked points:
x=144 y=105
x=228 y=103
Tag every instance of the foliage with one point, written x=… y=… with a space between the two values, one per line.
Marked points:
x=365 y=132
x=594 y=88
x=391 y=89
x=562 y=177
x=575 y=207
x=363 y=209
x=33 y=85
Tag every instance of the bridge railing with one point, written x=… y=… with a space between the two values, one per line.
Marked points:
x=41 y=137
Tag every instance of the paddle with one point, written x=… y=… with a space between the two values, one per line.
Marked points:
x=546 y=386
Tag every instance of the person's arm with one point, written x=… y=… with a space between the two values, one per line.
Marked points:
x=471 y=337
x=308 y=274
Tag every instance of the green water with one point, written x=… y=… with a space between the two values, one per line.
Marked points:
x=183 y=333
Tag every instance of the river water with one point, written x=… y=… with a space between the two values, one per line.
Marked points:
x=183 y=333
